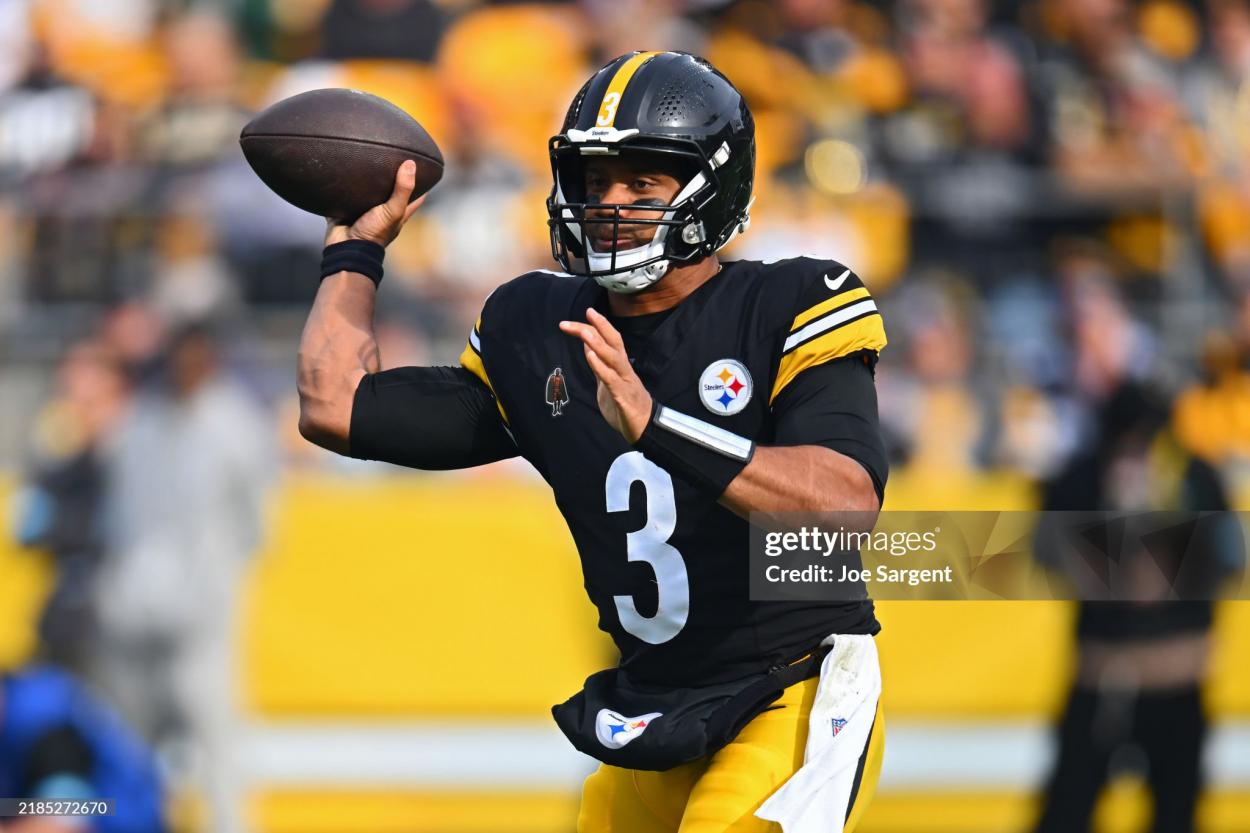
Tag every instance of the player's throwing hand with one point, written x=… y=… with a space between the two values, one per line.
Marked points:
x=381 y=224
x=623 y=400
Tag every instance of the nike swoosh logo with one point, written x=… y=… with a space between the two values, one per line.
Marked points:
x=833 y=285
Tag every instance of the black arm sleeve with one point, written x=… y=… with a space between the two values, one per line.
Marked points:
x=428 y=418
x=835 y=405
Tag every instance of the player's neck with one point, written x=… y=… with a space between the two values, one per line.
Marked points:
x=676 y=285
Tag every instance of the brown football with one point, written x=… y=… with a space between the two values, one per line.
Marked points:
x=335 y=152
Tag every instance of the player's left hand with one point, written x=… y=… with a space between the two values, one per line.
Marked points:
x=623 y=400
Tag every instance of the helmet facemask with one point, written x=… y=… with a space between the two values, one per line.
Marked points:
x=574 y=222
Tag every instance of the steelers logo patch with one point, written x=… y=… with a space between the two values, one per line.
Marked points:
x=725 y=387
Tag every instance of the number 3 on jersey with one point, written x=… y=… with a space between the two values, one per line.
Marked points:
x=650 y=545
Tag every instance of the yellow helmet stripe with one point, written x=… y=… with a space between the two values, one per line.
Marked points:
x=616 y=89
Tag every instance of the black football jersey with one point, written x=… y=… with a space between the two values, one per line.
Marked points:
x=663 y=561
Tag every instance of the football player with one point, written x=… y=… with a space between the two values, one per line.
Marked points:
x=664 y=395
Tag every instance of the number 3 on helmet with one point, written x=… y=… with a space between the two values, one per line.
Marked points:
x=667 y=103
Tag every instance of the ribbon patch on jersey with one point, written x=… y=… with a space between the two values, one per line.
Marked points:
x=557 y=393
x=725 y=387
x=615 y=730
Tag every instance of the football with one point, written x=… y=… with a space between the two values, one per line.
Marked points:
x=335 y=152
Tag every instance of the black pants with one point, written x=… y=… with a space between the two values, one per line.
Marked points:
x=1169 y=727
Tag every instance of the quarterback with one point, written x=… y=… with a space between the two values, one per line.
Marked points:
x=664 y=395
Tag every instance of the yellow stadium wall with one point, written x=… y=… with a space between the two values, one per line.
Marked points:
x=383 y=596
x=417 y=596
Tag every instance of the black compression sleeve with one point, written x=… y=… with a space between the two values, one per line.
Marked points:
x=835 y=405
x=428 y=418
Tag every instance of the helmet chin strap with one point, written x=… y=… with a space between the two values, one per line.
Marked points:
x=624 y=279
x=635 y=280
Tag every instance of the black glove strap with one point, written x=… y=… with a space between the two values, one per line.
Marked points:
x=704 y=454
x=360 y=256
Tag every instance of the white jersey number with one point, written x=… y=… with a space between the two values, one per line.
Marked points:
x=650 y=544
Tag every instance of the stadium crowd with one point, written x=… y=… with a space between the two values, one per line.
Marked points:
x=1050 y=199
x=1038 y=191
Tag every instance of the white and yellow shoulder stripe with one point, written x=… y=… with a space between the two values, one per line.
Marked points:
x=471 y=360
x=837 y=326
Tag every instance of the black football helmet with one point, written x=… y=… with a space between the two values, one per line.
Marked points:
x=668 y=103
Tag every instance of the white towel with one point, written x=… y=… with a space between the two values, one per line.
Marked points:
x=815 y=799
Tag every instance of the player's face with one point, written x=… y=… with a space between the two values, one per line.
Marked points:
x=637 y=182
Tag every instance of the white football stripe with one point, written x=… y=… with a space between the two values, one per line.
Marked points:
x=533 y=755
x=704 y=433
x=830 y=321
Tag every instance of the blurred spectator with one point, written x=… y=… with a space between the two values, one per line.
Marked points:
x=1117 y=131
x=1215 y=96
x=45 y=122
x=107 y=47
x=407 y=30
x=1212 y=90
x=62 y=502
x=951 y=55
x=1212 y=416
x=816 y=32
x=15 y=41
x=959 y=144
x=1141 y=663
x=935 y=405
x=136 y=334
x=270 y=245
x=1110 y=346
x=929 y=134
x=932 y=404
x=191 y=281
x=201 y=116
x=59 y=742
x=187 y=495
x=620 y=26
